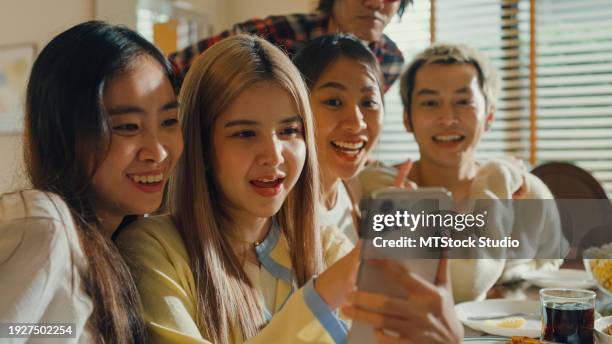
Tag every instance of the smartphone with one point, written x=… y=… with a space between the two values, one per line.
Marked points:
x=426 y=266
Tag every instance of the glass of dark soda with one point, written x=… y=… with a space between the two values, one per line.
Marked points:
x=568 y=315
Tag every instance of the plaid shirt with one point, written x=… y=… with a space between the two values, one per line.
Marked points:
x=290 y=33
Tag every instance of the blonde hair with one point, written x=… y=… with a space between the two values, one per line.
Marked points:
x=445 y=53
x=226 y=298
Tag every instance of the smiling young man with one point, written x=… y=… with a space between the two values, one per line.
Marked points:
x=449 y=94
x=365 y=19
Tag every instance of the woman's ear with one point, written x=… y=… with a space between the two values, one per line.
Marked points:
x=407 y=122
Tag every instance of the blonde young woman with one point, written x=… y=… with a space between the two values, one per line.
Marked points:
x=236 y=259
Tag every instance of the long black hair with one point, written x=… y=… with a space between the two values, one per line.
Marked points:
x=67 y=136
x=314 y=58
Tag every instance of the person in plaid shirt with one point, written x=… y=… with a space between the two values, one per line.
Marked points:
x=365 y=19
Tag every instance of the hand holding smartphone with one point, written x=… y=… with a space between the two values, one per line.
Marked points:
x=425 y=315
x=388 y=274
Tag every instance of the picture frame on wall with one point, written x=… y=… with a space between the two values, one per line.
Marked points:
x=16 y=61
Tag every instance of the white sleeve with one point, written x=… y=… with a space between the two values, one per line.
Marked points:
x=36 y=251
x=40 y=280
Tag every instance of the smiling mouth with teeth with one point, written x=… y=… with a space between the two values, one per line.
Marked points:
x=448 y=138
x=267 y=183
x=154 y=179
x=349 y=147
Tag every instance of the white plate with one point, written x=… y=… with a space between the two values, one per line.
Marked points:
x=532 y=327
x=564 y=278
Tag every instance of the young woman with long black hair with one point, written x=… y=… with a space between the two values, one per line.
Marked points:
x=101 y=138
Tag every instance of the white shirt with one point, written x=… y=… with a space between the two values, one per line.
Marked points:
x=341 y=214
x=41 y=264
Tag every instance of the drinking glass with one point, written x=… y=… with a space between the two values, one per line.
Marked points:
x=568 y=315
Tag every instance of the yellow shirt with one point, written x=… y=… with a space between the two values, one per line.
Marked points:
x=158 y=259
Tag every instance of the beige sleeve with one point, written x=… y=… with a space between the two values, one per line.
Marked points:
x=164 y=281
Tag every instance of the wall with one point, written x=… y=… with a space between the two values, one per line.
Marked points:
x=122 y=11
x=27 y=21
x=116 y=11
x=216 y=10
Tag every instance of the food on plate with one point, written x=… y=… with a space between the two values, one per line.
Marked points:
x=608 y=330
x=601 y=269
x=523 y=340
x=512 y=322
x=599 y=263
